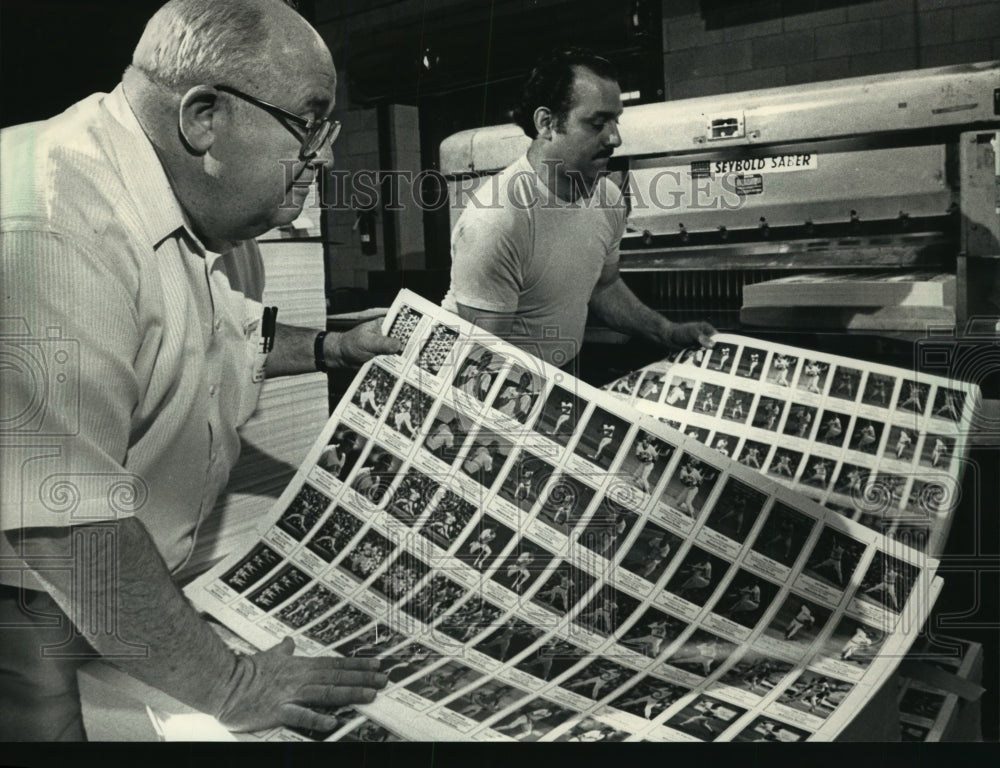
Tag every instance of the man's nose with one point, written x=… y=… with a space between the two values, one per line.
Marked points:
x=325 y=155
x=614 y=134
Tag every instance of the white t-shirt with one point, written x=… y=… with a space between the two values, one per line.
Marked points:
x=518 y=249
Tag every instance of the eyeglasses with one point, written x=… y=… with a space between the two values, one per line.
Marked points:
x=314 y=133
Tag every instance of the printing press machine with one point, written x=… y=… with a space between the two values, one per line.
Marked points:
x=897 y=172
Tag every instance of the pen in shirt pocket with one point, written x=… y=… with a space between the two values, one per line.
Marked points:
x=268 y=325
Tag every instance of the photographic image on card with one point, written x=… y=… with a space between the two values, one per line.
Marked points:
x=698 y=576
x=486 y=538
x=679 y=392
x=303 y=512
x=477 y=372
x=486 y=700
x=645 y=461
x=769 y=729
x=648 y=697
x=252 y=568
x=782 y=369
x=377 y=473
x=374 y=390
x=652 y=633
x=526 y=480
x=522 y=566
x=342 y=452
x=400 y=576
x=532 y=721
x=566 y=501
x=878 y=390
x=736 y=509
x=509 y=639
x=434 y=598
x=437 y=348
x=709 y=399
x=408 y=411
x=798 y=621
x=720 y=358
x=518 y=394
x=754 y=454
x=815 y=694
x=343 y=622
x=404 y=324
x=751 y=364
x=598 y=679
x=560 y=415
x=783 y=534
x=443 y=681
x=551 y=658
x=768 y=413
x=834 y=558
x=447 y=433
x=690 y=485
x=412 y=497
x=564 y=586
x=705 y=718
x=448 y=519
x=652 y=552
x=746 y=598
x=606 y=611
x=948 y=404
x=607 y=528
x=855 y=642
x=334 y=534
x=601 y=437
x=756 y=672
x=488 y=450
x=888 y=582
x=279 y=588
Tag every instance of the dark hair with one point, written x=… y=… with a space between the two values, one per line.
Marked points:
x=551 y=85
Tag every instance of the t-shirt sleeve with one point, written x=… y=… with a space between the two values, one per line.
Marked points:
x=617 y=216
x=487 y=251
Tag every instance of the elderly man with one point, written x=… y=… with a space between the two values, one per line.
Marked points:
x=127 y=256
x=538 y=244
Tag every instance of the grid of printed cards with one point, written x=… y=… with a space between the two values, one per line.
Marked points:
x=532 y=559
x=881 y=445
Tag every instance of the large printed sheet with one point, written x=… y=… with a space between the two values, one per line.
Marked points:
x=882 y=445
x=534 y=559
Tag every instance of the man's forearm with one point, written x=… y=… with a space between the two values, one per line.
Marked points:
x=157 y=635
x=294 y=348
x=622 y=311
x=293 y=351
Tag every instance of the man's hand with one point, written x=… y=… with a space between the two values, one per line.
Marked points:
x=358 y=345
x=274 y=687
x=681 y=335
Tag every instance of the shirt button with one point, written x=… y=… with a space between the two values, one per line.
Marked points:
x=218 y=323
x=211 y=391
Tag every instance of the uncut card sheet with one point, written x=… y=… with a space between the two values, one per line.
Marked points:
x=533 y=559
x=881 y=445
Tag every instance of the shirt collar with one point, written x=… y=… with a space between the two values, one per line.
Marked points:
x=144 y=176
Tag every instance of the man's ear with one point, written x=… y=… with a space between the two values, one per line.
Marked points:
x=544 y=122
x=197 y=115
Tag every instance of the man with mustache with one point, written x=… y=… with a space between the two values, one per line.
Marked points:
x=538 y=244
x=127 y=235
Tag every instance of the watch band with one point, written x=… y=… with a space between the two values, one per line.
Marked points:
x=318 y=355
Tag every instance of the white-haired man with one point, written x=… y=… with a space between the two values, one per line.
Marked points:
x=127 y=226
